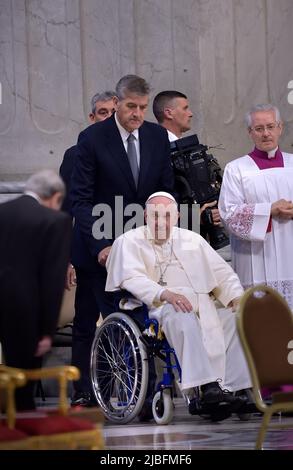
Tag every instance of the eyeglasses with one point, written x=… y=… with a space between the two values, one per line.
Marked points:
x=261 y=129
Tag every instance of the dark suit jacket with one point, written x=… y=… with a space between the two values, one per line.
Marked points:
x=102 y=171
x=65 y=171
x=34 y=254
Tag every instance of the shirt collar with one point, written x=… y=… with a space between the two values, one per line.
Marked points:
x=171 y=136
x=33 y=195
x=272 y=153
x=262 y=154
x=123 y=132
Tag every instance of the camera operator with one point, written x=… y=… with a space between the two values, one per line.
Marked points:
x=171 y=109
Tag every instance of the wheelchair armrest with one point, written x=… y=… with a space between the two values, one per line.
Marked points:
x=122 y=294
x=119 y=295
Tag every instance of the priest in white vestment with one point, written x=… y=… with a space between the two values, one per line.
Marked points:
x=256 y=206
x=177 y=274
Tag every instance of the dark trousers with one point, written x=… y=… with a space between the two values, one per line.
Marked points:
x=21 y=355
x=90 y=300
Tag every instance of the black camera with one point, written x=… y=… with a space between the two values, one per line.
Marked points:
x=198 y=178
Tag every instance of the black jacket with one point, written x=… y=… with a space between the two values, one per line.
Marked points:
x=34 y=254
x=102 y=172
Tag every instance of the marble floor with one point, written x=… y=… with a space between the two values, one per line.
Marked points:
x=188 y=432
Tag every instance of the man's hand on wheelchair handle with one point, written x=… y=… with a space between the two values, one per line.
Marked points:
x=103 y=255
x=179 y=302
x=70 y=277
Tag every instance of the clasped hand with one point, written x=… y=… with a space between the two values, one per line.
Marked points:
x=282 y=209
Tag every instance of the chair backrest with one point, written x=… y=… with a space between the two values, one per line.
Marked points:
x=265 y=326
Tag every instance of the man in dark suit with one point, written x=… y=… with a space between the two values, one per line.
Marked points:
x=172 y=111
x=102 y=107
x=122 y=156
x=34 y=253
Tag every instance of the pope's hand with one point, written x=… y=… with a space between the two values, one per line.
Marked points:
x=179 y=302
x=234 y=304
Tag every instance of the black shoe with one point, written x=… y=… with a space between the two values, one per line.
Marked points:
x=213 y=411
x=146 y=413
x=85 y=399
x=248 y=404
x=212 y=393
x=220 y=412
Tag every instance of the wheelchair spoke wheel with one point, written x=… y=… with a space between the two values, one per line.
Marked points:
x=119 y=368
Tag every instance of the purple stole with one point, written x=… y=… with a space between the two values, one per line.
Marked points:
x=263 y=162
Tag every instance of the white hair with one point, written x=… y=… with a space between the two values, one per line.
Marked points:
x=261 y=107
x=45 y=184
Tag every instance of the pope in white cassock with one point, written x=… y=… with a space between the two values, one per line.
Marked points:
x=177 y=274
x=256 y=206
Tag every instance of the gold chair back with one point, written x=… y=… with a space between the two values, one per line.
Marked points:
x=265 y=326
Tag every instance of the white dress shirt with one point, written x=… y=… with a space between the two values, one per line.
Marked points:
x=124 y=136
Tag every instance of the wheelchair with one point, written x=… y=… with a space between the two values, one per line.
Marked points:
x=119 y=368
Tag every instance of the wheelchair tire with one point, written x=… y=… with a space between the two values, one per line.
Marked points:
x=163 y=407
x=119 y=368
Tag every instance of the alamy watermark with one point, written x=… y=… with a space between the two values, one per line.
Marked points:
x=290 y=94
x=112 y=222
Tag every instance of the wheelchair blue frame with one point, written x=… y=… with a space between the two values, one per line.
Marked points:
x=161 y=347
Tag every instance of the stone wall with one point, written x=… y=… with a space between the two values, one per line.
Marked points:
x=54 y=55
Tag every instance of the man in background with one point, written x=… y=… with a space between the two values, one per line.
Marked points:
x=256 y=206
x=102 y=107
x=172 y=111
x=34 y=253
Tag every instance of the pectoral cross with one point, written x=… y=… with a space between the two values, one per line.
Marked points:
x=161 y=281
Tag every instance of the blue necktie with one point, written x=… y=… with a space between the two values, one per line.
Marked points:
x=132 y=157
